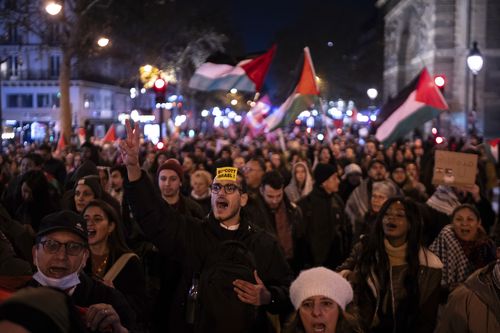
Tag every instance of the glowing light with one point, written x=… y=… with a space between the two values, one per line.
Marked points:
x=320 y=137
x=308 y=130
x=310 y=122
x=298 y=122
x=103 y=42
x=205 y=113
x=339 y=131
x=160 y=145
x=216 y=112
x=252 y=104
x=439 y=140
x=234 y=101
x=234 y=91
x=434 y=130
x=159 y=83
x=133 y=91
x=336 y=113
x=439 y=81
x=305 y=114
x=53 y=8
x=238 y=118
x=148 y=68
x=314 y=113
x=349 y=113
x=180 y=119
x=231 y=114
x=8 y=136
x=330 y=44
x=373 y=117
x=143 y=90
x=372 y=93
x=134 y=115
x=191 y=133
x=172 y=98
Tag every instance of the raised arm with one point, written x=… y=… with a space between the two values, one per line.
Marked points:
x=129 y=149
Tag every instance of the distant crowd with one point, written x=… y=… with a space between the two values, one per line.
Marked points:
x=217 y=234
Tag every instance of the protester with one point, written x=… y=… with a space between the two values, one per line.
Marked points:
x=40 y=310
x=286 y=220
x=350 y=180
x=110 y=260
x=192 y=241
x=462 y=246
x=301 y=183
x=320 y=297
x=328 y=233
x=60 y=254
x=473 y=307
x=200 y=182
x=396 y=280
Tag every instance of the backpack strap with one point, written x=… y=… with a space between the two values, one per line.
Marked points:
x=118 y=266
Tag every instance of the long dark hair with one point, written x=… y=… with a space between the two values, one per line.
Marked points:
x=116 y=240
x=374 y=259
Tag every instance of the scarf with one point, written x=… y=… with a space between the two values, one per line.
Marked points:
x=456 y=266
x=284 y=230
x=397 y=255
x=444 y=200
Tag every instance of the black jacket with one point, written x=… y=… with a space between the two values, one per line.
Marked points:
x=328 y=233
x=190 y=240
x=90 y=292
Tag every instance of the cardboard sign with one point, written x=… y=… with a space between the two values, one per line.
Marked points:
x=454 y=169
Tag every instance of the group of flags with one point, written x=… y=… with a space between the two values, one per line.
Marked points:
x=418 y=102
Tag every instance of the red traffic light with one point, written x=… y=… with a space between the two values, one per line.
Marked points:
x=440 y=81
x=160 y=85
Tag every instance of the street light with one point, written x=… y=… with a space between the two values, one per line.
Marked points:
x=53 y=8
x=372 y=94
x=103 y=42
x=475 y=64
x=1 y=112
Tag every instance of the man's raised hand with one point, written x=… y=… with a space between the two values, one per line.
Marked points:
x=129 y=149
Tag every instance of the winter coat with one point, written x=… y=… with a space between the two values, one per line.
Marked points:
x=190 y=241
x=367 y=293
x=90 y=291
x=473 y=307
x=327 y=231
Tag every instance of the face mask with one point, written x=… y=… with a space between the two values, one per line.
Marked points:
x=63 y=283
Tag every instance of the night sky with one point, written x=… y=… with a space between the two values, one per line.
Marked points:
x=350 y=26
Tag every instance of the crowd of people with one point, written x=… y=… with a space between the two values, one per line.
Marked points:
x=211 y=234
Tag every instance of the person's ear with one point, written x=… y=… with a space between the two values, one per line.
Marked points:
x=243 y=199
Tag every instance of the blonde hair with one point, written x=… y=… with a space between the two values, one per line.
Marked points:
x=203 y=175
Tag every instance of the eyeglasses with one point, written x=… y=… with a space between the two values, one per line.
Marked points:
x=72 y=248
x=228 y=188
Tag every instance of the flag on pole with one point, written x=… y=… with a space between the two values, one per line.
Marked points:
x=246 y=76
x=418 y=102
x=110 y=135
x=492 y=148
x=305 y=95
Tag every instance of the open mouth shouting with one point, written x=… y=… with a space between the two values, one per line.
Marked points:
x=319 y=327
x=222 y=204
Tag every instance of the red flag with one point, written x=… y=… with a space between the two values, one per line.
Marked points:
x=62 y=143
x=110 y=135
x=257 y=68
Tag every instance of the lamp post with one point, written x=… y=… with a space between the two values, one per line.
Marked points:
x=1 y=105
x=475 y=64
x=372 y=94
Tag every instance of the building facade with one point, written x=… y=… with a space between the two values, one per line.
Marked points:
x=29 y=82
x=439 y=34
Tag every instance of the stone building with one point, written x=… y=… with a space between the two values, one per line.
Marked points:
x=439 y=34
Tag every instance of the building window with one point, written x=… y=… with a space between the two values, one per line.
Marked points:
x=13 y=33
x=19 y=100
x=47 y=100
x=88 y=101
x=55 y=65
x=15 y=63
x=54 y=32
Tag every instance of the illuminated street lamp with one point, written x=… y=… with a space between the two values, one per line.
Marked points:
x=103 y=42
x=53 y=8
x=475 y=63
x=372 y=93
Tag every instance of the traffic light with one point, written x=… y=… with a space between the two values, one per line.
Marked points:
x=160 y=88
x=440 y=82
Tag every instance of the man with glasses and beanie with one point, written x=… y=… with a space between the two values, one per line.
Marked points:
x=193 y=241
x=59 y=254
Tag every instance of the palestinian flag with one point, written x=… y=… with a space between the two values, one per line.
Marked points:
x=61 y=144
x=304 y=96
x=246 y=76
x=417 y=103
x=492 y=148
x=110 y=135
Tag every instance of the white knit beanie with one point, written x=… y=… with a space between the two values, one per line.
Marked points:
x=320 y=281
